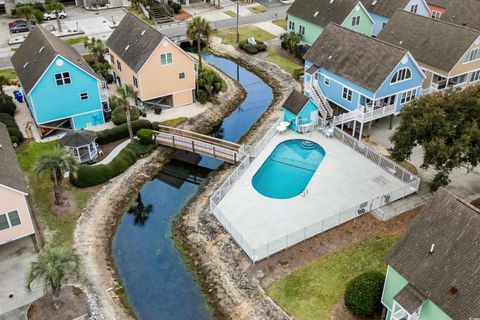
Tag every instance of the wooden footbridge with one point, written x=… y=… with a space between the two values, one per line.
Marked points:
x=199 y=143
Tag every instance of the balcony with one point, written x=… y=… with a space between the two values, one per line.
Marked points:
x=365 y=114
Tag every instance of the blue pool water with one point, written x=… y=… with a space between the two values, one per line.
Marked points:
x=288 y=169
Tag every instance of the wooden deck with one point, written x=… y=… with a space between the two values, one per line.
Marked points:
x=195 y=142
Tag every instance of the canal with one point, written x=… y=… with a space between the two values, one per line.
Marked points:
x=156 y=280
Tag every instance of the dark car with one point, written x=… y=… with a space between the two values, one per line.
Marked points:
x=19 y=28
x=19 y=21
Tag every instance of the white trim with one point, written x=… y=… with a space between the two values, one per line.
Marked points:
x=425 y=3
x=73 y=115
x=166 y=59
x=13 y=189
x=63 y=79
x=43 y=74
x=399 y=92
x=384 y=286
x=474 y=44
x=342 y=84
x=168 y=94
x=403 y=80
x=349 y=91
x=364 y=9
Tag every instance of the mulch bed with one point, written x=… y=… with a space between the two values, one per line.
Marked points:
x=107 y=148
x=74 y=305
x=182 y=15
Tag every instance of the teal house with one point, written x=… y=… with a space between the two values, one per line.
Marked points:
x=60 y=89
x=309 y=18
x=300 y=111
x=434 y=269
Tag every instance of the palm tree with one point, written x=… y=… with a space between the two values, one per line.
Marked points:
x=125 y=94
x=140 y=211
x=56 y=7
x=97 y=48
x=28 y=12
x=57 y=161
x=199 y=30
x=53 y=266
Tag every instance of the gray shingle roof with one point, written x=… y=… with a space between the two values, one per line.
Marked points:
x=450 y=276
x=134 y=41
x=410 y=298
x=37 y=60
x=385 y=8
x=78 y=138
x=440 y=3
x=10 y=173
x=328 y=11
x=431 y=41
x=295 y=102
x=361 y=59
x=463 y=12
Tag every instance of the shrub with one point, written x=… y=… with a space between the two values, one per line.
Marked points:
x=119 y=117
x=121 y=132
x=202 y=96
x=141 y=149
x=297 y=73
x=145 y=136
x=14 y=132
x=209 y=81
x=176 y=7
x=363 y=294
x=114 y=102
x=252 y=49
x=7 y=105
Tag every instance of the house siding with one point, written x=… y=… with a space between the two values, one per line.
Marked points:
x=379 y=23
x=380 y=20
x=431 y=312
x=312 y=31
x=304 y=115
x=11 y=200
x=52 y=102
x=462 y=68
x=126 y=74
x=393 y=284
x=423 y=9
x=435 y=8
x=366 y=24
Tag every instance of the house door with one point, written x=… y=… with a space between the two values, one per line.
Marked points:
x=314 y=117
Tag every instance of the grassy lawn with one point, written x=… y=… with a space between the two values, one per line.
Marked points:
x=141 y=16
x=75 y=40
x=312 y=291
x=282 y=23
x=230 y=13
x=258 y=9
x=284 y=63
x=59 y=229
x=229 y=36
x=407 y=165
x=9 y=73
x=173 y=122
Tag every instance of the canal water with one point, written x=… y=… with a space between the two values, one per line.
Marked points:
x=156 y=280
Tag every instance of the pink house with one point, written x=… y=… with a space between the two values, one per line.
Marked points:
x=15 y=217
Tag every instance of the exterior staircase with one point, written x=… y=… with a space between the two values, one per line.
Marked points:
x=324 y=107
x=160 y=11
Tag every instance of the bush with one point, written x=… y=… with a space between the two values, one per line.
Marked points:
x=209 y=81
x=176 y=7
x=297 y=73
x=7 y=105
x=14 y=132
x=114 y=102
x=119 y=117
x=363 y=294
x=121 y=132
x=141 y=149
x=202 y=96
x=252 y=49
x=109 y=78
x=145 y=136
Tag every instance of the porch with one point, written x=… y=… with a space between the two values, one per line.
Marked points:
x=440 y=83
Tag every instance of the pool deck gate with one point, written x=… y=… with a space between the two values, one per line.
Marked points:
x=199 y=143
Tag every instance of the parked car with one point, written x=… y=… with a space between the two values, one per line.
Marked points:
x=19 y=28
x=52 y=15
x=19 y=21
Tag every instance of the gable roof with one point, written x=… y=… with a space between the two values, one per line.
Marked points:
x=11 y=175
x=134 y=41
x=295 y=102
x=439 y=3
x=363 y=60
x=437 y=43
x=463 y=12
x=385 y=8
x=328 y=11
x=450 y=276
x=37 y=60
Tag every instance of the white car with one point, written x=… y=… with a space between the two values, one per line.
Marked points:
x=51 y=15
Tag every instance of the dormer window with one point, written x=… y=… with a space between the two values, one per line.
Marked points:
x=472 y=56
x=402 y=75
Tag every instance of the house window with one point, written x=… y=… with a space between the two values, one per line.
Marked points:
x=83 y=96
x=112 y=59
x=414 y=8
x=119 y=66
x=8 y=220
x=166 y=58
x=436 y=15
x=472 y=56
x=62 y=78
x=135 y=82
x=301 y=30
x=355 y=21
x=181 y=75
x=475 y=76
x=347 y=94
x=401 y=75
x=408 y=96
x=326 y=81
x=291 y=25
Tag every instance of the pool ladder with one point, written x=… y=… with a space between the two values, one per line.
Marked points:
x=305 y=192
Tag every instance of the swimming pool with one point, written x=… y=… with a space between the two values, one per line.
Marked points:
x=289 y=168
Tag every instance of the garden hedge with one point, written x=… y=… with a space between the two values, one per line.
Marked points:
x=7 y=105
x=121 y=131
x=15 y=134
x=363 y=294
x=252 y=48
x=145 y=136
x=119 y=117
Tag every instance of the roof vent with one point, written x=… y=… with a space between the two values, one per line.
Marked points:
x=25 y=65
x=374 y=2
x=1 y=147
x=41 y=49
x=431 y=249
x=126 y=48
x=401 y=42
x=331 y=1
x=315 y=14
x=330 y=57
x=143 y=32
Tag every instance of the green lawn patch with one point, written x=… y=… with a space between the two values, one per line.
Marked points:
x=141 y=16
x=258 y=9
x=73 y=41
x=9 y=73
x=282 y=23
x=284 y=63
x=229 y=36
x=406 y=165
x=230 y=13
x=312 y=291
x=173 y=122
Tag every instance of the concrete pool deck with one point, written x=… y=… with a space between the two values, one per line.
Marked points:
x=343 y=180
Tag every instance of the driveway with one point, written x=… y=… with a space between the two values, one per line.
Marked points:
x=15 y=259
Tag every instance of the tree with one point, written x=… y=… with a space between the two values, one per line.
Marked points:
x=199 y=30
x=3 y=82
x=55 y=6
x=53 y=266
x=446 y=126
x=97 y=49
x=290 y=41
x=125 y=94
x=363 y=294
x=57 y=161
x=28 y=13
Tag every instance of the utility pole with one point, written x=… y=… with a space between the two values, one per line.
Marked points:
x=238 y=14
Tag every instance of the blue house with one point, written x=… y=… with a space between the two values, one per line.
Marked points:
x=300 y=111
x=60 y=88
x=362 y=77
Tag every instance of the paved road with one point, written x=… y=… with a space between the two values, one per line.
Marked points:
x=178 y=30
